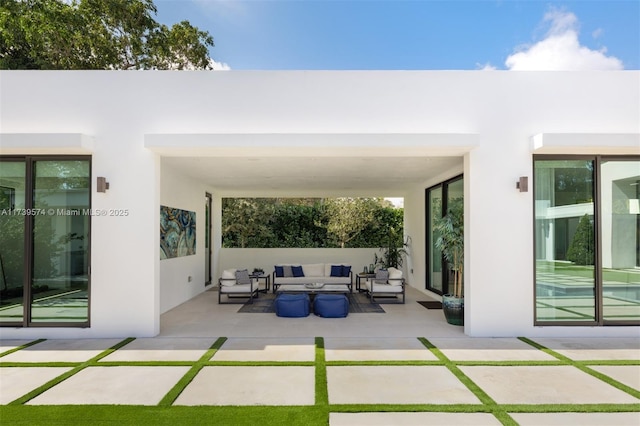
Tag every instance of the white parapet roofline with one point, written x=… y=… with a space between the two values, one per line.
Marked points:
x=586 y=143
x=314 y=144
x=45 y=144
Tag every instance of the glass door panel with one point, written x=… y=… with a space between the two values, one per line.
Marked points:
x=565 y=241
x=620 y=189
x=60 y=270
x=207 y=239
x=12 y=235
x=435 y=256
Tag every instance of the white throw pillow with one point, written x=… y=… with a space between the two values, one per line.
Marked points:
x=228 y=277
x=395 y=276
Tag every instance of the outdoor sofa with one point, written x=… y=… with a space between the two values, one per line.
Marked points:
x=300 y=274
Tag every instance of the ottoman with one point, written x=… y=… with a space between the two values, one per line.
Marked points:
x=292 y=305
x=331 y=305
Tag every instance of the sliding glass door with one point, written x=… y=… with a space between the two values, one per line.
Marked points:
x=620 y=190
x=587 y=240
x=12 y=240
x=440 y=199
x=44 y=242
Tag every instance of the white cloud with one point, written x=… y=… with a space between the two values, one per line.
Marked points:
x=561 y=49
x=485 y=67
x=219 y=66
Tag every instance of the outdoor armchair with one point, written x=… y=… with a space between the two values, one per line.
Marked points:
x=388 y=284
x=236 y=284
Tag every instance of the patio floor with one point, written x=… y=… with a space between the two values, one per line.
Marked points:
x=413 y=370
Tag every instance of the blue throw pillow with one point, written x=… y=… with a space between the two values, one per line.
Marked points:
x=346 y=270
x=297 y=271
x=336 y=270
x=279 y=271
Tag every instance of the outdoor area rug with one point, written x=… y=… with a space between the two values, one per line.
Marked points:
x=431 y=304
x=358 y=304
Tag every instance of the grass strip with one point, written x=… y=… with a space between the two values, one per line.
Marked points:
x=51 y=383
x=26 y=345
x=177 y=389
x=581 y=365
x=493 y=407
x=259 y=363
x=382 y=363
x=572 y=408
x=322 y=387
x=109 y=415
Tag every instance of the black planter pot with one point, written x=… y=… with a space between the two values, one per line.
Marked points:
x=453 y=308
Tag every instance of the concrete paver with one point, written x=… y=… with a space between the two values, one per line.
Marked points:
x=267 y=349
x=113 y=385
x=63 y=350
x=605 y=348
x=7 y=345
x=544 y=385
x=489 y=349
x=363 y=349
x=396 y=385
x=237 y=385
x=18 y=381
x=412 y=419
x=577 y=419
x=625 y=374
x=160 y=349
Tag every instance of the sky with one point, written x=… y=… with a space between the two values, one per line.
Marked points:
x=415 y=34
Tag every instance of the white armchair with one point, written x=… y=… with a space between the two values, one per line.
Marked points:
x=389 y=284
x=236 y=284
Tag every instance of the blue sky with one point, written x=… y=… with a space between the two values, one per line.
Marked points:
x=416 y=34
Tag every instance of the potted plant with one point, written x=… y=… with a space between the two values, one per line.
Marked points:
x=450 y=241
x=392 y=256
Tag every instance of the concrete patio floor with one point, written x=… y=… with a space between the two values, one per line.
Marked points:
x=414 y=359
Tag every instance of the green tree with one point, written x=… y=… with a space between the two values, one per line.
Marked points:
x=581 y=249
x=246 y=222
x=347 y=217
x=96 y=34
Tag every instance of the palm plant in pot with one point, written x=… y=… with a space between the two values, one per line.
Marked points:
x=450 y=241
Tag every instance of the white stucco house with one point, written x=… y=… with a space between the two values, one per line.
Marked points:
x=80 y=260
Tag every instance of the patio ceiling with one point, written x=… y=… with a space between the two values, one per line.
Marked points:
x=382 y=165
x=257 y=175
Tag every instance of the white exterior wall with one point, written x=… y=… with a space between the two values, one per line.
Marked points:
x=505 y=109
x=180 y=191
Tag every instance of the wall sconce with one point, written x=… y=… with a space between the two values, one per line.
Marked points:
x=523 y=184
x=103 y=185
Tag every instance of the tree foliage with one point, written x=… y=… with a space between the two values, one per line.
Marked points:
x=581 y=249
x=96 y=34
x=308 y=222
x=348 y=217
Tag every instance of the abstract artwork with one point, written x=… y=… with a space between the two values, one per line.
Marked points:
x=177 y=232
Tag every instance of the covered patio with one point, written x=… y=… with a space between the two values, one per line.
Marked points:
x=203 y=317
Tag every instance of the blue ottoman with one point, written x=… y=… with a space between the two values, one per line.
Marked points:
x=292 y=305
x=331 y=305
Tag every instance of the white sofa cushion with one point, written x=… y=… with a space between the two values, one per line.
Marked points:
x=314 y=269
x=382 y=288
